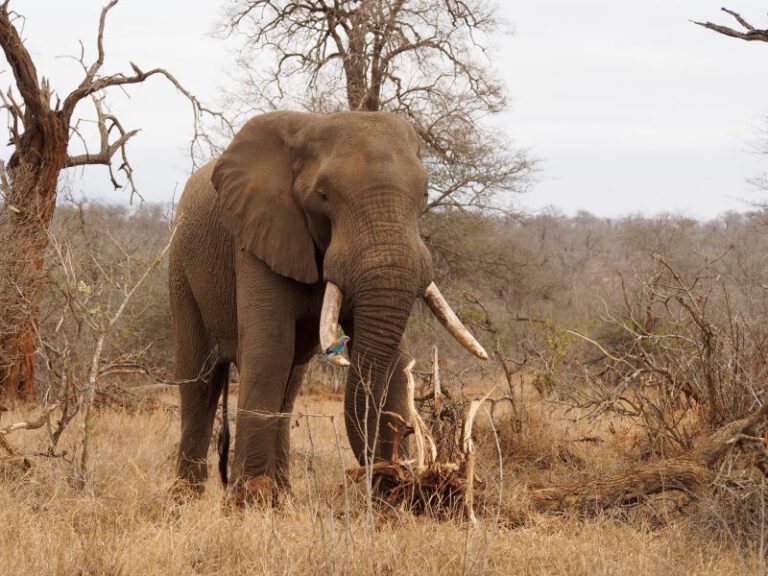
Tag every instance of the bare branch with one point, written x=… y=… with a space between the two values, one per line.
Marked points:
x=94 y=68
x=750 y=33
x=22 y=65
x=107 y=149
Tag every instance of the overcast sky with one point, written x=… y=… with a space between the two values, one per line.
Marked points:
x=629 y=107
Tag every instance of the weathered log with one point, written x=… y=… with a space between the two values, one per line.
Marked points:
x=631 y=487
x=687 y=473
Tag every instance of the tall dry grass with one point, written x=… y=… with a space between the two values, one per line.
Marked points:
x=124 y=523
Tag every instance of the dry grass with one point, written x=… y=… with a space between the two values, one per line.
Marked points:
x=123 y=523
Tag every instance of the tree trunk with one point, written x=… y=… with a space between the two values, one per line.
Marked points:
x=354 y=66
x=30 y=203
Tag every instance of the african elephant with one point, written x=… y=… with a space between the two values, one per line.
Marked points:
x=305 y=221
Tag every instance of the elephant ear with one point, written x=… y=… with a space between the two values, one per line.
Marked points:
x=254 y=181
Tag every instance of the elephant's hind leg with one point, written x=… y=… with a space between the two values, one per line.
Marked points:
x=199 y=399
x=201 y=376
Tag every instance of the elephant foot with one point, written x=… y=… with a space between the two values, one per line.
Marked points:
x=258 y=491
x=183 y=490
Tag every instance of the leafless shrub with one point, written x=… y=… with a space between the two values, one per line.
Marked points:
x=91 y=327
x=735 y=510
x=110 y=246
x=679 y=356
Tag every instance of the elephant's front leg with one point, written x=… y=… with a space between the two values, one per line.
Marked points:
x=266 y=305
x=306 y=346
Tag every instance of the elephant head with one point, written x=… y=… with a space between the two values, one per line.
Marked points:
x=336 y=199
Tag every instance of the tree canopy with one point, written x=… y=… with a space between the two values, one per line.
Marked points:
x=424 y=59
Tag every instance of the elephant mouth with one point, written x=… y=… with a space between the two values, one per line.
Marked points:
x=329 y=321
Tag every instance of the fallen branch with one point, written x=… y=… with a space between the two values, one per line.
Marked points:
x=632 y=487
x=30 y=424
x=688 y=473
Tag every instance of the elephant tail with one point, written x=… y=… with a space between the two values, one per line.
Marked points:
x=223 y=444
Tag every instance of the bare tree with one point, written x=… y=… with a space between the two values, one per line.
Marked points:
x=42 y=124
x=424 y=59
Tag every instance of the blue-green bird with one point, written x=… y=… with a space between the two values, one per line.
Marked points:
x=337 y=347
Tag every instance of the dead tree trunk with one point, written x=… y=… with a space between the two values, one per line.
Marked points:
x=30 y=204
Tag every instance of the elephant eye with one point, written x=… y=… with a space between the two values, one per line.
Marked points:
x=323 y=194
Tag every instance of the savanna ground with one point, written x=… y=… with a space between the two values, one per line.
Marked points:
x=123 y=521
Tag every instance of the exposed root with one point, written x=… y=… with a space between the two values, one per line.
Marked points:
x=424 y=484
x=438 y=489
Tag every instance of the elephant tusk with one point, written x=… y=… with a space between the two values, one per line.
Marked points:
x=448 y=318
x=329 y=316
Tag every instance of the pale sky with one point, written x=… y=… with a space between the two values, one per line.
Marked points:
x=629 y=107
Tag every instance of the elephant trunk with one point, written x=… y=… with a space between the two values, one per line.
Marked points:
x=375 y=386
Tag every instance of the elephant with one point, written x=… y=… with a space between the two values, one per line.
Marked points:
x=304 y=223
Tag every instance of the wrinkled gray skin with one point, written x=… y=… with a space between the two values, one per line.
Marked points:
x=297 y=199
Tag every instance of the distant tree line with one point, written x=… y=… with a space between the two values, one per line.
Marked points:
x=528 y=270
